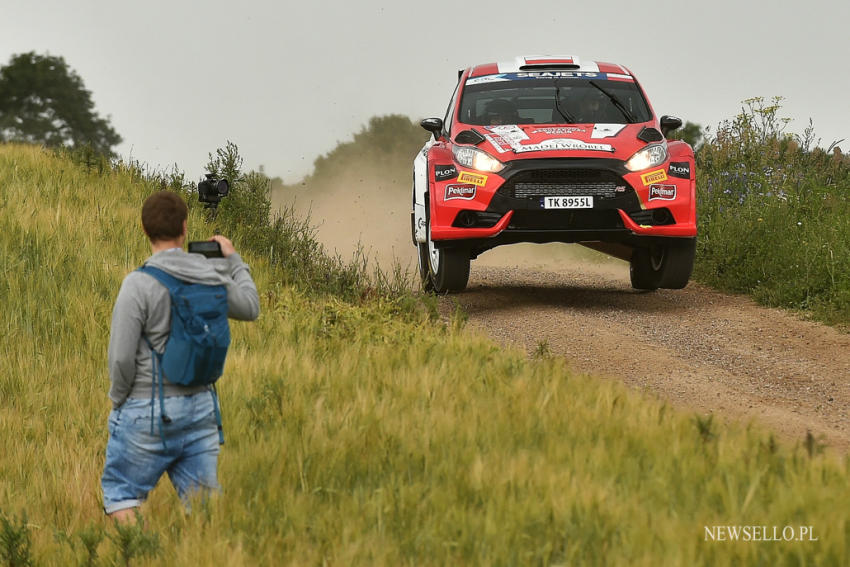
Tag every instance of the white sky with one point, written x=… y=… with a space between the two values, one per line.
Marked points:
x=286 y=81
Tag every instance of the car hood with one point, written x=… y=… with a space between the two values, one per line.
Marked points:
x=523 y=141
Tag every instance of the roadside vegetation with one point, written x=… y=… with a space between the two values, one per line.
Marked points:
x=774 y=214
x=361 y=427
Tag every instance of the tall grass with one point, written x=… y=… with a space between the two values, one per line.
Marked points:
x=359 y=431
x=774 y=214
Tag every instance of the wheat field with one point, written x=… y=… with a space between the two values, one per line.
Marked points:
x=359 y=435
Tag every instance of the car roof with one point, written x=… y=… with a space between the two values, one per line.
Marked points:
x=547 y=63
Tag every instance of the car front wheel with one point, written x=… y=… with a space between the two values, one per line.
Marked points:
x=646 y=267
x=680 y=263
x=448 y=268
x=667 y=265
x=424 y=268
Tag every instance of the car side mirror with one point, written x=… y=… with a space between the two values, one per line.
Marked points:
x=669 y=123
x=433 y=125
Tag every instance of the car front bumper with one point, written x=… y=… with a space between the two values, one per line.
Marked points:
x=483 y=211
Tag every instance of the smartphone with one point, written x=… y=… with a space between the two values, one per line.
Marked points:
x=209 y=248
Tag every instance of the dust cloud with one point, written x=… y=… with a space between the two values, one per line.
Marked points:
x=374 y=212
x=360 y=210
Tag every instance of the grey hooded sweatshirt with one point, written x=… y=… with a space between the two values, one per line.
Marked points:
x=143 y=307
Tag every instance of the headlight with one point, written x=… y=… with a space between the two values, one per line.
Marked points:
x=474 y=158
x=647 y=157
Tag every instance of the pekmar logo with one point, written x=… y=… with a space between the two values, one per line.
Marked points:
x=663 y=192
x=466 y=192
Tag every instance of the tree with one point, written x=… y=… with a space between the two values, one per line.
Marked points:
x=43 y=101
x=690 y=133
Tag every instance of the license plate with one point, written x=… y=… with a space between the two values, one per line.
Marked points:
x=584 y=202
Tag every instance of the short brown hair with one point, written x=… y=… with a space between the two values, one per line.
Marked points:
x=163 y=214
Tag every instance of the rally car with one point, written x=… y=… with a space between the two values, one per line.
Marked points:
x=553 y=149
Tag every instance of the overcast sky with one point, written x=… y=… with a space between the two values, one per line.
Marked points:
x=286 y=81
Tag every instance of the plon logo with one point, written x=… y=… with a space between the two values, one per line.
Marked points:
x=680 y=169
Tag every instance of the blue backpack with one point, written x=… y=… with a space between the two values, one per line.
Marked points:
x=197 y=342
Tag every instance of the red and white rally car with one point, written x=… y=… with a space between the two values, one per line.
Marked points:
x=553 y=149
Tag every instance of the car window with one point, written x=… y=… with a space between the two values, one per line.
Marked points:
x=533 y=102
x=447 y=121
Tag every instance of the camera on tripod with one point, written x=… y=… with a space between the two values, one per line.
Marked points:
x=211 y=190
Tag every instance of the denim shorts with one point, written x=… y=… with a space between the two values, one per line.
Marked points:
x=137 y=456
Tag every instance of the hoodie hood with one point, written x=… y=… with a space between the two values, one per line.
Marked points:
x=193 y=268
x=520 y=141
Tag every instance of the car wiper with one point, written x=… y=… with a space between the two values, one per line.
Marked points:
x=620 y=106
x=565 y=114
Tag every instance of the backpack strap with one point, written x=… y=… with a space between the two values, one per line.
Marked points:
x=156 y=363
x=217 y=415
x=171 y=284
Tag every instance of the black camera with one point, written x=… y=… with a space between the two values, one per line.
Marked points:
x=211 y=190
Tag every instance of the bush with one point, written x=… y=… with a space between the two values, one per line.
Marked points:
x=773 y=214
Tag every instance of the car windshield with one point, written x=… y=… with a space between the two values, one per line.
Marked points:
x=489 y=101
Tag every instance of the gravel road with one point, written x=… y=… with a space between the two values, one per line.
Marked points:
x=701 y=350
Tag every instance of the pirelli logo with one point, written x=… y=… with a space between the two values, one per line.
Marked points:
x=654 y=177
x=474 y=178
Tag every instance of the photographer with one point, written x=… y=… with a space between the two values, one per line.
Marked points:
x=179 y=432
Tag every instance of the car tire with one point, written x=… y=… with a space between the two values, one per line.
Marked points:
x=667 y=265
x=646 y=267
x=679 y=263
x=448 y=268
x=424 y=271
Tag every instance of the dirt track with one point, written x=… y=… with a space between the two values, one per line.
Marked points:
x=697 y=348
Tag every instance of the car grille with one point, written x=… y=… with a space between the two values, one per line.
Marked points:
x=604 y=189
x=564 y=182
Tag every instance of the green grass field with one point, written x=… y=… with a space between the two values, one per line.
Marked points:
x=360 y=431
